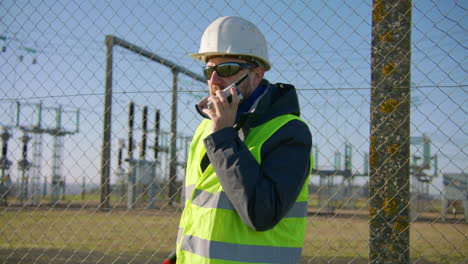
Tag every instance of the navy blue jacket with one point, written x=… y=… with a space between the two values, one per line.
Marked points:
x=262 y=194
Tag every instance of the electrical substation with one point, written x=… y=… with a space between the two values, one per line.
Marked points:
x=145 y=179
x=145 y=176
x=331 y=191
x=32 y=185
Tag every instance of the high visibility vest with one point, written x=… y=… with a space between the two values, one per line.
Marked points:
x=210 y=229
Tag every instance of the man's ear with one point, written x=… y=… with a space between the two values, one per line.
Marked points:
x=259 y=73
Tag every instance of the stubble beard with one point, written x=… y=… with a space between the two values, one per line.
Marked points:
x=243 y=87
x=214 y=88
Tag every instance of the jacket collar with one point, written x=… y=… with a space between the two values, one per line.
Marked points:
x=277 y=99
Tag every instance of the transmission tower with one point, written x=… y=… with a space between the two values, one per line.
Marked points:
x=58 y=132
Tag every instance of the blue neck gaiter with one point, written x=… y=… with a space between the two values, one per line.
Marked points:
x=245 y=106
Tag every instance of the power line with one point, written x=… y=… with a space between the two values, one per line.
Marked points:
x=55 y=48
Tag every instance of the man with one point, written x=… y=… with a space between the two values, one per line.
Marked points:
x=246 y=178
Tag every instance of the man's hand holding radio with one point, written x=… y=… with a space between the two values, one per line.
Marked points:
x=223 y=111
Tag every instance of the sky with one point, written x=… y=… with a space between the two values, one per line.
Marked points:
x=322 y=47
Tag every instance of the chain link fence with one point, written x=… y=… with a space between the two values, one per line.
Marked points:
x=83 y=185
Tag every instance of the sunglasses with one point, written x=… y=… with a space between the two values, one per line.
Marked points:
x=227 y=69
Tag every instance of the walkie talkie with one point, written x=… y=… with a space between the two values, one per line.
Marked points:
x=226 y=93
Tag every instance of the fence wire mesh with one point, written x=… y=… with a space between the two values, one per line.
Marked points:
x=56 y=207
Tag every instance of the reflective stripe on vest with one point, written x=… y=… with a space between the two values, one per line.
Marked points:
x=221 y=201
x=210 y=229
x=241 y=253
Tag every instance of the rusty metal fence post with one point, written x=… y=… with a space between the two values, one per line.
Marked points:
x=390 y=132
x=107 y=127
x=172 y=148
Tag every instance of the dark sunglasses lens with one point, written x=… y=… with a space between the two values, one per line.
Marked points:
x=226 y=70
x=223 y=70
x=208 y=71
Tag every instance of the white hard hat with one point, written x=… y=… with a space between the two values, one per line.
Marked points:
x=233 y=36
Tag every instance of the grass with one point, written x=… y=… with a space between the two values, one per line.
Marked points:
x=347 y=237
x=147 y=236
x=113 y=234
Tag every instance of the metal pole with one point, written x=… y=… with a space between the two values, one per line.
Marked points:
x=156 y=134
x=120 y=156
x=389 y=157
x=131 y=188
x=120 y=173
x=144 y=132
x=173 y=150
x=154 y=57
x=106 y=139
x=131 y=118
x=56 y=179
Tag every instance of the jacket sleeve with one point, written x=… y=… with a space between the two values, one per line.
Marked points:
x=262 y=194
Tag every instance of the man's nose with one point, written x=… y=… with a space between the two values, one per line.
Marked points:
x=216 y=79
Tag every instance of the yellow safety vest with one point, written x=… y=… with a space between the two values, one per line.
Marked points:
x=210 y=229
